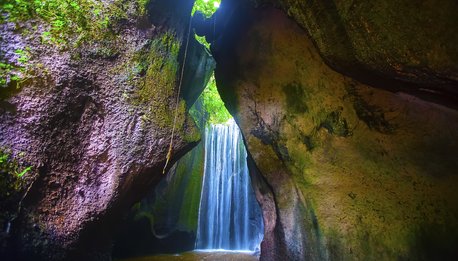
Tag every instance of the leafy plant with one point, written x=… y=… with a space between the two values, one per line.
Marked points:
x=8 y=164
x=15 y=73
x=5 y=72
x=66 y=22
x=13 y=185
x=213 y=107
x=24 y=171
x=207 y=7
x=24 y=55
x=68 y=19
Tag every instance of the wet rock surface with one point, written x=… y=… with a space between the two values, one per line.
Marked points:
x=354 y=171
x=165 y=221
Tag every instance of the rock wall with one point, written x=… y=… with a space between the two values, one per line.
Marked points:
x=165 y=221
x=349 y=171
x=93 y=120
x=396 y=45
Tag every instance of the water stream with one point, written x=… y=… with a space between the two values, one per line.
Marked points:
x=229 y=215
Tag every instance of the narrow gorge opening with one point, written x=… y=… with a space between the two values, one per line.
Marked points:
x=205 y=206
x=206 y=201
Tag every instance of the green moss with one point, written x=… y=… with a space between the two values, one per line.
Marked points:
x=14 y=176
x=14 y=79
x=189 y=213
x=142 y=6
x=12 y=74
x=214 y=109
x=176 y=204
x=295 y=97
x=154 y=75
x=12 y=165
x=63 y=23
x=336 y=124
x=193 y=136
x=68 y=21
x=189 y=132
x=373 y=116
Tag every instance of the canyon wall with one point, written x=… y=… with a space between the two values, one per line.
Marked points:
x=352 y=165
x=90 y=121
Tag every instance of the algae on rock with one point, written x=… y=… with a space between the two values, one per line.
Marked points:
x=355 y=171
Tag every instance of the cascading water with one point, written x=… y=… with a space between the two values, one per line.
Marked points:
x=229 y=216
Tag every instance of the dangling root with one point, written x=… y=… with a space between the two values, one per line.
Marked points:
x=169 y=153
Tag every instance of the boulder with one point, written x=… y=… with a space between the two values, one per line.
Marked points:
x=348 y=170
x=93 y=118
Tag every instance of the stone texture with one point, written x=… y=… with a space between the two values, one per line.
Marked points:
x=95 y=125
x=356 y=172
x=396 y=45
x=165 y=221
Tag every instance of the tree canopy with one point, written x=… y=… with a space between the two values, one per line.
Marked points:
x=207 y=7
x=212 y=110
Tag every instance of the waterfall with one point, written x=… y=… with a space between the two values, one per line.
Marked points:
x=229 y=215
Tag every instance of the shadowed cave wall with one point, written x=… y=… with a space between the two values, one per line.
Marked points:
x=358 y=151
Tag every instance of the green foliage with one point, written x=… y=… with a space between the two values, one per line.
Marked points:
x=207 y=7
x=142 y=6
x=153 y=71
x=24 y=56
x=13 y=74
x=64 y=19
x=11 y=176
x=202 y=40
x=24 y=171
x=213 y=107
x=6 y=73
x=68 y=21
x=14 y=180
x=10 y=165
